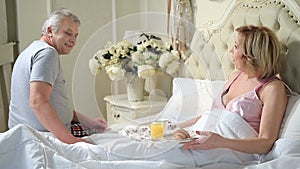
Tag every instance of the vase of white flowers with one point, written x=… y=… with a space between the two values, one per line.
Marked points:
x=135 y=87
x=140 y=60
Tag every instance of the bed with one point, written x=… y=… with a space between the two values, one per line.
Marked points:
x=202 y=76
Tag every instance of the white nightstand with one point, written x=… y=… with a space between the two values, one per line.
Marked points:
x=120 y=110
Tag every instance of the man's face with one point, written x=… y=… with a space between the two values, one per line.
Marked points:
x=64 y=39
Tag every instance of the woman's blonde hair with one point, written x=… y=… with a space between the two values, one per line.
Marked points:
x=261 y=48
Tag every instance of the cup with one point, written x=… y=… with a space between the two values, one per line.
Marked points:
x=165 y=124
x=157 y=130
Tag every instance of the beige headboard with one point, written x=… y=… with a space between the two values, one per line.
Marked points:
x=211 y=58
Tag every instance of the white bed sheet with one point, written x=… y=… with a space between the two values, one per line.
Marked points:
x=24 y=147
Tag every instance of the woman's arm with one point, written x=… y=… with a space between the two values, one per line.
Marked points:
x=274 y=100
x=188 y=123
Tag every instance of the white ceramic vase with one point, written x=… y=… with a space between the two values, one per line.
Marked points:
x=135 y=87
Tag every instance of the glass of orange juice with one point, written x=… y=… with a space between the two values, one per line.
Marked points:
x=157 y=130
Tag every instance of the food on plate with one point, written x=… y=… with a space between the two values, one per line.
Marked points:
x=181 y=134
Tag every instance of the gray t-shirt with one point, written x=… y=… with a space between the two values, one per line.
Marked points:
x=38 y=62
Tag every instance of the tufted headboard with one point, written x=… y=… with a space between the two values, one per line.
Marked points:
x=211 y=58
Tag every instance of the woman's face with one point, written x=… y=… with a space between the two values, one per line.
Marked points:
x=65 y=38
x=238 y=57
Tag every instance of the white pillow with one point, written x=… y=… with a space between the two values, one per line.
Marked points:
x=191 y=97
x=290 y=127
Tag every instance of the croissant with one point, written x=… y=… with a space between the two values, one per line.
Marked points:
x=181 y=134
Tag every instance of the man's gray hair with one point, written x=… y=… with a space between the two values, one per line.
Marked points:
x=54 y=19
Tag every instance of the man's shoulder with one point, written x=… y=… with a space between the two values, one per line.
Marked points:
x=38 y=44
x=40 y=48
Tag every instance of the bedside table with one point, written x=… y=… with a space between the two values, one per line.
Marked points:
x=120 y=110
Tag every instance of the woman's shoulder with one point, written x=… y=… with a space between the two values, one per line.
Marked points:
x=274 y=85
x=275 y=81
x=232 y=76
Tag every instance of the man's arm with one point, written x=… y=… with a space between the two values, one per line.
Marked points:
x=97 y=123
x=40 y=93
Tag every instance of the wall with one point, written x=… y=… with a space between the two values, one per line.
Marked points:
x=3 y=40
x=102 y=21
x=3 y=23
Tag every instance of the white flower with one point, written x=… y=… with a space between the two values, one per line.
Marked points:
x=169 y=62
x=140 y=47
x=173 y=67
x=100 y=53
x=94 y=66
x=147 y=55
x=145 y=71
x=112 y=51
x=136 y=57
x=167 y=58
x=126 y=44
x=115 y=72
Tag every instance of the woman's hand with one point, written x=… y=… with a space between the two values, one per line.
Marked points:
x=181 y=134
x=206 y=140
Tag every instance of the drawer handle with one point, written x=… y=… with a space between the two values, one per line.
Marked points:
x=116 y=115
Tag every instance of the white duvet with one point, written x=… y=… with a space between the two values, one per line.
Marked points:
x=24 y=147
